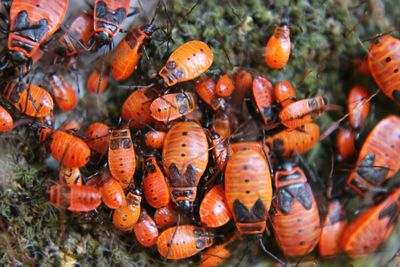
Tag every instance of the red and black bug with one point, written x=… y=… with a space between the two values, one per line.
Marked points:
x=358 y=106
x=214 y=211
x=285 y=93
x=64 y=94
x=277 y=49
x=166 y=216
x=155 y=187
x=205 y=88
x=125 y=217
x=6 y=121
x=172 y=106
x=225 y=86
x=98 y=137
x=263 y=98
x=77 y=198
x=145 y=230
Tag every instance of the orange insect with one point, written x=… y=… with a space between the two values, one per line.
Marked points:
x=127 y=54
x=248 y=190
x=145 y=230
x=277 y=50
x=64 y=94
x=187 y=62
x=377 y=160
x=155 y=187
x=217 y=254
x=219 y=150
x=183 y=241
x=172 y=106
x=121 y=156
x=263 y=97
x=205 y=88
x=6 y=121
x=70 y=176
x=214 y=211
x=136 y=108
x=111 y=192
x=302 y=111
x=94 y=80
x=125 y=217
x=81 y=29
x=285 y=93
x=345 y=143
x=371 y=227
x=29 y=99
x=224 y=86
x=358 y=106
x=384 y=65
x=98 y=137
x=155 y=139
x=299 y=140
x=334 y=225
x=295 y=219
x=77 y=198
x=222 y=124
x=108 y=17
x=33 y=22
x=67 y=149
x=243 y=84
x=185 y=158
x=166 y=216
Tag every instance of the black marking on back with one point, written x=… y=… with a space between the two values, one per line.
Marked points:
x=183 y=103
x=366 y=170
x=243 y=215
x=116 y=16
x=295 y=191
x=391 y=211
x=35 y=32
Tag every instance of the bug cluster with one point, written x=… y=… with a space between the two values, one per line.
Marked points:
x=195 y=163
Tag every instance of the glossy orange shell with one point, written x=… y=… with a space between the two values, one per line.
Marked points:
x=345 y=140
x=93 y=81
x=358 y=106
x=247 y=180
x=384 y=65
x=225 y=86
x=37 y=103
x=121 y=156
x=6 y=121
x=285 y=93
x=214 y=211
x=277 y=50
x=136 y=108
x=69 y=150
x=187 y=62
x=298 y=140
x=36 y=10
x=173 y=106
x=382 y=147
x=217 y=254
x=64 y=94
x=166 y=216
x=112 y=193
x=263 y=95
x=188 y=241
x=205 y=88
x=98 y=137
x=155 y=187
x=145 y=230
x=125 y=217
x=77 y=198
x=155 y=139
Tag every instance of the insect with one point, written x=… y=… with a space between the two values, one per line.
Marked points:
x=155 y=139
x=243 y=84
x=166 y=216
x=108 y=17
x=358 y=106
x=121 y=156
x=111 y=191
x=277 y=49
x=136 y=108
x=295 y=217
x=125 y=217
x=345 y=142
x=70 y=176
x=33 y=22
x=145 y=230
x=222 y=124
x=205 y=88
x=126 y=55
x=77 y=198
x=155 y=187
x=29 y=99
x=187 y=62
x=302 y=111
x=214 y=211
x=172 y=106
x=185 y=158
x=377 y=160
x=98 y=137
x=263 y=97
x=289 y=141
x=218 y=253
x=371 y=227
x=334 y=224
x=248 y=190
x=96 y=84
x=6 y=121
x=80 y=33
x=183 y=241
x=219 y=150
x=64 y=94
x=66 y=148
x=384 y=65
x=285 y=93
x=225 y=86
